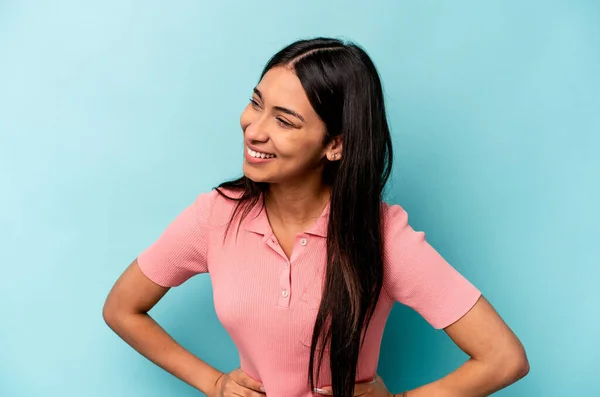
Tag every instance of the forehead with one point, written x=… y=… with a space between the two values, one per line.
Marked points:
x=281 y=87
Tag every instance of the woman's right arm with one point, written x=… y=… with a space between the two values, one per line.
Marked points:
x=126 y=313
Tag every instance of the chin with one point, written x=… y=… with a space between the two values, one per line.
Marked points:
x=254 y=176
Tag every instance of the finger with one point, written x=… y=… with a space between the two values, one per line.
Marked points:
x=360 y=389
x=326 y=391
x=364 y=388
x=244 y=392
x=247 y=382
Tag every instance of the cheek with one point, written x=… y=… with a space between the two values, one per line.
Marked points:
x=310 y=145
x=300 y=151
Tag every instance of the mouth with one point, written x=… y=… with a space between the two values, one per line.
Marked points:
x=259 y=155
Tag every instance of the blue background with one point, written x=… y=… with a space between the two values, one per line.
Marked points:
x=114 y=115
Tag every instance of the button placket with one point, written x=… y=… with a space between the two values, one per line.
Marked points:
x=274 y=245
x=285 y=286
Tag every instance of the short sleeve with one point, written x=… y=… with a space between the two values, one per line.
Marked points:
x=181 y=250
x=416 y=275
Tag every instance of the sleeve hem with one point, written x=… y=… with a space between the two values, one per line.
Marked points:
x=460 y=312
x=151 y=276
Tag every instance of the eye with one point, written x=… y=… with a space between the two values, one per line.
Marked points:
x=284 y=123
x=255 y=103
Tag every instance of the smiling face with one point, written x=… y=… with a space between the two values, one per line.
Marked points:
x=283 y=135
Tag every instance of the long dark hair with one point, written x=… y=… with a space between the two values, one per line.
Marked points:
x=344 y=89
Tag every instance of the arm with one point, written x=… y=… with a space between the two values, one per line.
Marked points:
x=497 y=357
x=126 y=313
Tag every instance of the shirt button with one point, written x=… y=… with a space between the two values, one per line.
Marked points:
x=285 y=293
x=303 y=241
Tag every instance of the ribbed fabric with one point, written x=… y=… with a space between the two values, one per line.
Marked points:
x=268 y=304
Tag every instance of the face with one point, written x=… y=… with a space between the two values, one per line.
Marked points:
x=283 y=135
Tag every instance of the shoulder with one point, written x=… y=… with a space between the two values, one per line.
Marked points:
x=396 y=228
x=391 y=211
x=392 y=215
x=206 y=203
x=217 y=205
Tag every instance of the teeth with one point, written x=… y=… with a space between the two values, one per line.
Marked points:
x=260 y=155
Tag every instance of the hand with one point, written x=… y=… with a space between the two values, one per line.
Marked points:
x=374 y=388
x=237 y=383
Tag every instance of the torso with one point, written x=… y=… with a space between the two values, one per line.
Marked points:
x=267 y=287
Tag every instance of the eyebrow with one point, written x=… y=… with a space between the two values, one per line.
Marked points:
x=280 y=108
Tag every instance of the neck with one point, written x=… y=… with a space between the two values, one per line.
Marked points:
x=296 y=205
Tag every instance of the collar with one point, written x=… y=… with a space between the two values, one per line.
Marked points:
x=258 y=222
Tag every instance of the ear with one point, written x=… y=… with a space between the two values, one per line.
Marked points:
x=333 y=150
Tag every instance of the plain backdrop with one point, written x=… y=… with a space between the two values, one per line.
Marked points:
x=114 y=115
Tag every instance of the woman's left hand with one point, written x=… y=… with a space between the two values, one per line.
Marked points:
x=375 y=388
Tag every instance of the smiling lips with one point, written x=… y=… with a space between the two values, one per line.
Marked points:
x=255 y=156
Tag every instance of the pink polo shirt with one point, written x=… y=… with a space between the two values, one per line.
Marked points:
x=268 y=303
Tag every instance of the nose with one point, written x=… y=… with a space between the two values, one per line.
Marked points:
x=256 y=130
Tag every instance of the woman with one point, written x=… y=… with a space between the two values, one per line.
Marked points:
x=305 y=259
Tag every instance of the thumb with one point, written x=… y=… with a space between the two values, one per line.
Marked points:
x=245 y=380
x=359 y=388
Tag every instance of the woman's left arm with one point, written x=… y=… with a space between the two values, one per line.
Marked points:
x=497 y=357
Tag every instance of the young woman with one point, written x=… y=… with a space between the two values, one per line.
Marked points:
x=305 y=259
